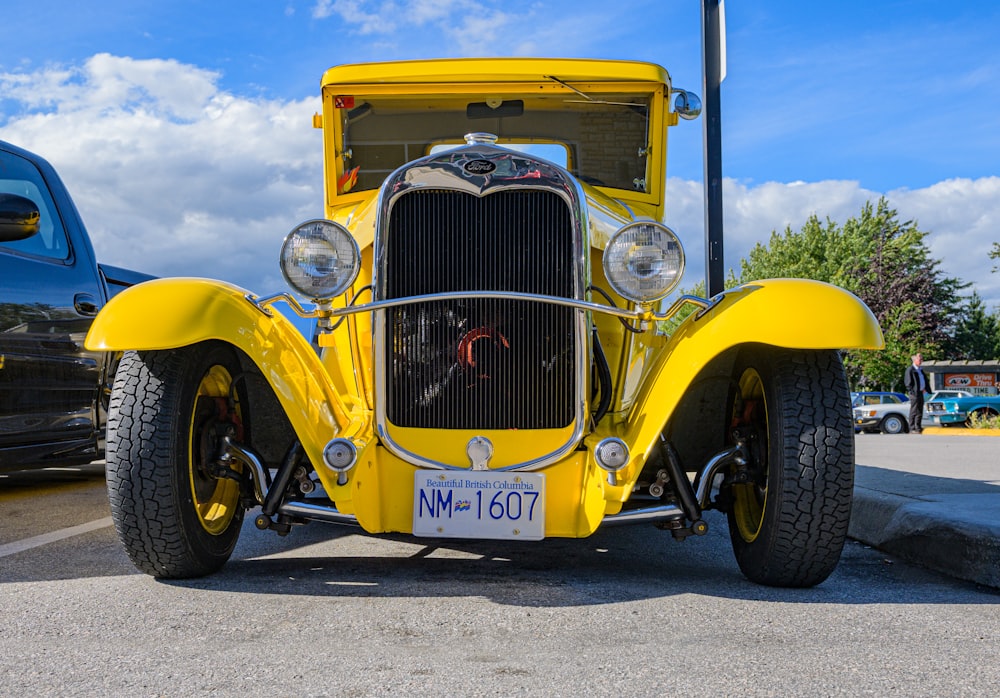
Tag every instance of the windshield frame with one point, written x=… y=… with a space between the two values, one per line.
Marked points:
x=342 y=102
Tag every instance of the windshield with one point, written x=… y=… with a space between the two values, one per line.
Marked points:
x=603 y=141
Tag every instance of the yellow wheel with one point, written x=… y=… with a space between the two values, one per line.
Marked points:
x=789 y=505
x=750 y=498
x=178 y=510
x=216 y=500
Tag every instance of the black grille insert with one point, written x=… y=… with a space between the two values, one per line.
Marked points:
x=480 y=364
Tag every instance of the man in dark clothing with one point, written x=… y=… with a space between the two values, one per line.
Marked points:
x=915 y=385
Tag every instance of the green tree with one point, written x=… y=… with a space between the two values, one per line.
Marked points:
x=818 y=251
x=871 y=370
x=894 y=266
x=977 y=333
x=884 y=262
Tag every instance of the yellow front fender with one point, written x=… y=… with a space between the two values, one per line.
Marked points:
x=177 y=312
x=790 y=313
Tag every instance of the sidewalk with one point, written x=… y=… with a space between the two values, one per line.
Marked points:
x=932 y=499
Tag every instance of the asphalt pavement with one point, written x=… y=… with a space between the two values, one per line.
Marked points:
x=932 y=499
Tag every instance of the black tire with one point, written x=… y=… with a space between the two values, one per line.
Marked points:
x=167 y=410
x=893 y=424
x=981 y=413
x=788 y=522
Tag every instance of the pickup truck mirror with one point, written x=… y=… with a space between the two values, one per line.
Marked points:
x=19 y=218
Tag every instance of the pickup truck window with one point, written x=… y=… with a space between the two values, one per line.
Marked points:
x=605 y=137
x=18 y=176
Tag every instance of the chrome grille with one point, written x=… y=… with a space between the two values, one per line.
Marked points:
x=479 y=364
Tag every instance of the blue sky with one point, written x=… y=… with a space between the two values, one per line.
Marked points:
x=182 y=127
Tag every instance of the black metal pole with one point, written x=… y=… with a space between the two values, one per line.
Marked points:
x=711 y=79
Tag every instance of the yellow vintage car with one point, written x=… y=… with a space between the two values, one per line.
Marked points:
x=489 y=287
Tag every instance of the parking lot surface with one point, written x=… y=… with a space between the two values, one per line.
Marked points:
x=331 y=611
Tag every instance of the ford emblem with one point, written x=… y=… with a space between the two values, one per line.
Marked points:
x=479 y=167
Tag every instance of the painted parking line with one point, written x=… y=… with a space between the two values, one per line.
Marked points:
x=46 y=538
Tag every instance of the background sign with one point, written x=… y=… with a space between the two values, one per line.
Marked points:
x=970 y=380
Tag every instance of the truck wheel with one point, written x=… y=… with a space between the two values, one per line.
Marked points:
x=893 y=424
x=169 y=410
x=791 y=506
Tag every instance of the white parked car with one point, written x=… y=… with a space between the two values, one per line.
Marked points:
x=881 y=412
x=889 y=412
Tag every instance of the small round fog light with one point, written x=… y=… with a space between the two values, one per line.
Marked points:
x=340 y=455
x=611 y=454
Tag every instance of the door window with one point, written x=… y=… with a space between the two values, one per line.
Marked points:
x=21 y=177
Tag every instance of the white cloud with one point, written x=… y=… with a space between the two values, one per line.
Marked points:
x=172 y=175
x=107 y=82
x=175 y=176
x=470 y=27
x=751 y=213
x=353 y=12
x=962 y=217
x=465 y=23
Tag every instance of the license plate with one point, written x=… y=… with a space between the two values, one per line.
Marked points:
x=479 y=504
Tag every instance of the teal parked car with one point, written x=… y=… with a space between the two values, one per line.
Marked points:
x=945 y=411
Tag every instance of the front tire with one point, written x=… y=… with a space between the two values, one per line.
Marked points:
x=168 y=412
x=980 y=414
x=893 y=424
x=791 y=507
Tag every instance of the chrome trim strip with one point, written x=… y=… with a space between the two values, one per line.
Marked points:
x=534 y=464
x=258 y=473
x=626 y=313
x=655 y=514
x=317 y=512
x=703 y=480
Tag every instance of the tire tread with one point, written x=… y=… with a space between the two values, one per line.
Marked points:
x=806 y=535
x=141 y=475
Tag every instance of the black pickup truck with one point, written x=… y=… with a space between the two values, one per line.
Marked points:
x=52 y=390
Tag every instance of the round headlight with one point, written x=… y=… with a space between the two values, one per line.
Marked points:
x=644 y=261
x=320 y=259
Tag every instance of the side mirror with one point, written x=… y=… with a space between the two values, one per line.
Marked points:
x=687 y=104
x=19 y=218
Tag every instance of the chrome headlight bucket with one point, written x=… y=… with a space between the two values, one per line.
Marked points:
x=644 y=261
x=320 y=259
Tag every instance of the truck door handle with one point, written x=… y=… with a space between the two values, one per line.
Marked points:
x=85 y=304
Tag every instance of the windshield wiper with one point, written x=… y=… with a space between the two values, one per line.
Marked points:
x=588 y=98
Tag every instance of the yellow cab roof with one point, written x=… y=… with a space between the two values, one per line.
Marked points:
x=495 y=70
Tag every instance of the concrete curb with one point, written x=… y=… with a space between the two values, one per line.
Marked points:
x=957 y=534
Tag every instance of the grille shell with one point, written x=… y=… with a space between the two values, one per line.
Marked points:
x=517 y=261
x=475 y=363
